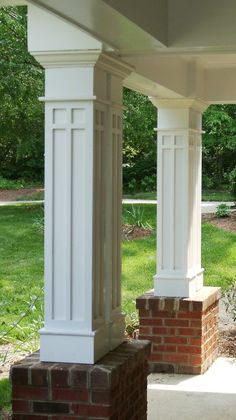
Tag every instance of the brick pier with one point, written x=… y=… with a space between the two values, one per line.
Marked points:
x=113 y=388
x=183 y=331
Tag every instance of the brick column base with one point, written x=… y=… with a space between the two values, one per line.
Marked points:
x=183 y=331
x=113 y=388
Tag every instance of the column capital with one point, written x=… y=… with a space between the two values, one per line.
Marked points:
x=181 y=103
x=83 y=58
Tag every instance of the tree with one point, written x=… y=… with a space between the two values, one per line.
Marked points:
x=139 y=147
x=21 y=114
x=219 y=145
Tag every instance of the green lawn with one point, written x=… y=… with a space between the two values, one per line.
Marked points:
x=21 y=269
x=5 y=394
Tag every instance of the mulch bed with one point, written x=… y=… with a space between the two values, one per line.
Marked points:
x=226 y=223
x=13 y=195
x=131 y=232
x=227 y=344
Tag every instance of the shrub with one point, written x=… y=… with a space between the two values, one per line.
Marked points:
x=232 y=181
x=222 y=210
x=230 y=301
x=136 y=217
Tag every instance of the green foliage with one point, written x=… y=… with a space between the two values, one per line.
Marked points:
x=219 y=145
x=21 y=270
x=139 y=146
x=223 y=210
x=232 y=182
x=136 y=216
x=5 y=394
x=21 y=114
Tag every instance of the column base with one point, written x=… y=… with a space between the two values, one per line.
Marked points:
x=113 y=388
x=81 y=346
x=178 y=286
x=183 y=331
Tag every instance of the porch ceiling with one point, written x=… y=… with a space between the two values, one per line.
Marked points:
x=178 y=48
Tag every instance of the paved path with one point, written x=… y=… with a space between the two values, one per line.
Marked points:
x=211 y=396
x=206 y=206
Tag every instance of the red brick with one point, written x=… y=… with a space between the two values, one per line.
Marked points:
x=165 y=348
x=159 y=330
x=29 y=393
x=91 y=410
x=161 y=314
x=175 y=340
x=195 y=324
x=145 y=330
x=29 y=417
x=175 y=358
x=190 y=315
x=51 y=407
x=67 y=394
x=151 y=322
x=101 y=397
x=195 y=360
x=39 y=375
x=177 y=322
x=156 y=357
x=20 y=375
x=195 y=341
x=189 y=349
x=144 y=313
x=22 y=406
x=60 y=376
x=186 y=331
x=79 y=376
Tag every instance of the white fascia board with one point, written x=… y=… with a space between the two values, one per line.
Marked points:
x=5 y=3
x=169 y=73
x=220 y=85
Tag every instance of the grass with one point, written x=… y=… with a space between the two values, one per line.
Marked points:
x=9 y=184
x=21 y=269
x=5 y=394
x=21 y=272
x=207 y=195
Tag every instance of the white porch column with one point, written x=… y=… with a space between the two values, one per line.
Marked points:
x=83 y=164
x=83 y=190
x=179 y=271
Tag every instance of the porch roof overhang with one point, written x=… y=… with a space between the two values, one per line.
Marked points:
x=177 y=49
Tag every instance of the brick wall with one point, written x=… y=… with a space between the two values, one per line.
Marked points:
x=183 y=332
x=113 y=388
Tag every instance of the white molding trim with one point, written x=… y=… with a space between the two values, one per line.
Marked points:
x=83 y=58
x=193 y=103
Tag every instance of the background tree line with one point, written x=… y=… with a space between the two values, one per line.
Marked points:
x=21 y=122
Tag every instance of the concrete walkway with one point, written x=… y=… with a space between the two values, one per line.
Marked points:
x=206 y=206
x=211 y=396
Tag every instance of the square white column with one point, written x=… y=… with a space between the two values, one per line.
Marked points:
x=83 y=198
x=179 y=271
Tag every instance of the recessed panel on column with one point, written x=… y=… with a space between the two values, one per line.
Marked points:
x=167 y=202
x=180 y=203
x=60 y=116
x=60 y=199
x=80 y=234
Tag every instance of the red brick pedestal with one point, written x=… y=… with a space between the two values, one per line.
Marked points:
x=183 y=332
x=113 y=388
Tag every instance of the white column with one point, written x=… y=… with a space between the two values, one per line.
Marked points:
x=179 y=271
x=83 y=167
